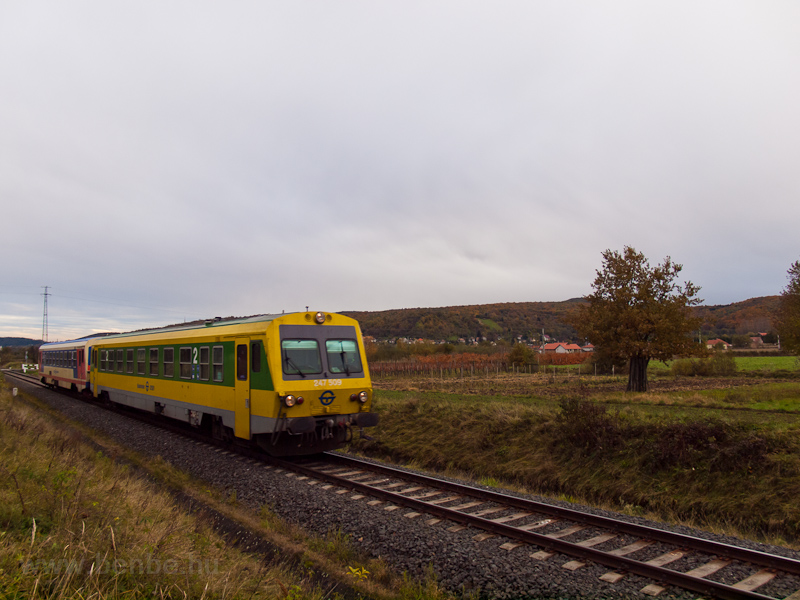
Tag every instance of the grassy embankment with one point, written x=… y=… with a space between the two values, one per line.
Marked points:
x=727 y=459
x=76 y=523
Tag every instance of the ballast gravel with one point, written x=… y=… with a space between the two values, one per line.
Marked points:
x=461 y=564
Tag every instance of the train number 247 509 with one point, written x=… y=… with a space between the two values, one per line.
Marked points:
x=327 y=382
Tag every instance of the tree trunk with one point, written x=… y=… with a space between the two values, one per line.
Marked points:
x=637 y=374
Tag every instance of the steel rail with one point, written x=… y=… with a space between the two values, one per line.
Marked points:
x=756 y=557
x=676 y=578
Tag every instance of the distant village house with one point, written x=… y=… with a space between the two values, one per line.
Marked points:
x=717 y=343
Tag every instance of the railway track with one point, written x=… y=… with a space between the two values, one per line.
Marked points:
x=544 y=531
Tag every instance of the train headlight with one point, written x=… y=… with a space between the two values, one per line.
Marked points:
x=300 y=400
x=319 y=318
x=289 y=401
x=360 y=397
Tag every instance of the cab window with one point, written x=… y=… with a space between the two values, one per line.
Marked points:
x=343 y=356
x=241 y=362
x=300 y=357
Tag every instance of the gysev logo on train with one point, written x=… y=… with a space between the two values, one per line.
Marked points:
x=327 y=397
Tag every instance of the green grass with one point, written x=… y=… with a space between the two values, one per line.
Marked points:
x=748 y=363
x=489 y=325
x=767 y=363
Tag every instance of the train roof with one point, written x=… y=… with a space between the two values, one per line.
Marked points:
x=202 y=326
x=65 y=344
x=215 y=322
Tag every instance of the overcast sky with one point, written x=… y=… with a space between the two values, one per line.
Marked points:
x=162 y=161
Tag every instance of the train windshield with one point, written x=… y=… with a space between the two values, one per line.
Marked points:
x=343 y=356
x=301 y=357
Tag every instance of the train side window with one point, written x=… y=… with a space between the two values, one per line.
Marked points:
x=120 y=360
x=255 y=357
x=129 y=361
x=140 y=356
x=74 y=356
x=169 y=362
x=186 y=363
x=216 y=359
x=154 y=362
x=103 y=360
x=241 y=362
x=205 y=368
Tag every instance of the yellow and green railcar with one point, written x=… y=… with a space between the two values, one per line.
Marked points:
x=292 y=384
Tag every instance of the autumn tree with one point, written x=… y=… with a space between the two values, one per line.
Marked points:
x=789 y=311
x=638 y=313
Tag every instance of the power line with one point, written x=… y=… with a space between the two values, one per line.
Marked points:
x=44 y=318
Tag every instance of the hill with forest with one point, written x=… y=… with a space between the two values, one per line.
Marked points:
x=528 y=320
x=491 y=321
x=18 y=341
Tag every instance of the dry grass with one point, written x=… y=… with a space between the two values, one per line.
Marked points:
x=77 y=524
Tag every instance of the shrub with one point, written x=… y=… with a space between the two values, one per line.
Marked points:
x=719 y=364
x=520 y=355
x=722 y=363
x=587 y=425
x=713 y=445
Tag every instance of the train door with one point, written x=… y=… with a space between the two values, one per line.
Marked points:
x=81 y=371
x=242 y=392
x=91 y=367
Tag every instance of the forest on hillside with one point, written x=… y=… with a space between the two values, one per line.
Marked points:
x=529 y=320
x=491 y=321
x=525 y=320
